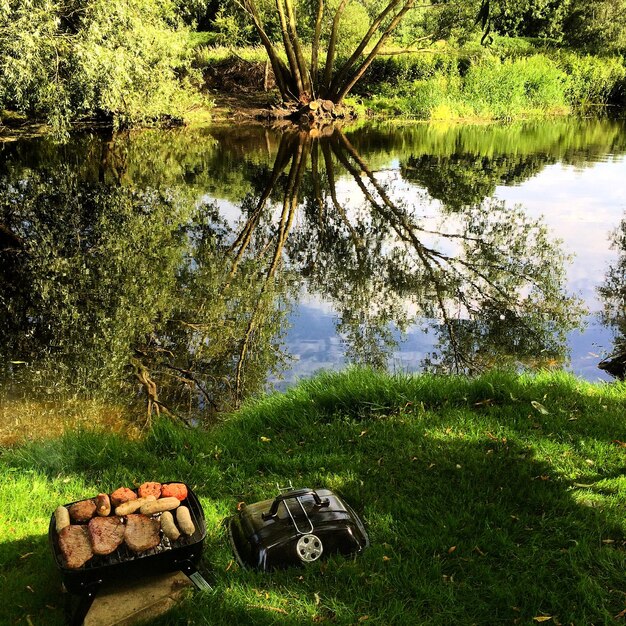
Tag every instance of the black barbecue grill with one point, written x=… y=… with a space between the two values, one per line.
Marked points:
x=169 y=556
x=297 y=527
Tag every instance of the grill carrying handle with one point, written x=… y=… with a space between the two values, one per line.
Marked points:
x=192 y=572
x=289 y=495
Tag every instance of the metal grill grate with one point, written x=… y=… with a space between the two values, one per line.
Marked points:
x=182 y=555
x=123 y=554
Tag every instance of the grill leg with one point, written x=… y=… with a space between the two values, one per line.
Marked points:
x=84 y=604
x=188 y=568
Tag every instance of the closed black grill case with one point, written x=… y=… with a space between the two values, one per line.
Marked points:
x=266 y=535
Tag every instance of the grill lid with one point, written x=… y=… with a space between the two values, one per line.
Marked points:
x=295 y=528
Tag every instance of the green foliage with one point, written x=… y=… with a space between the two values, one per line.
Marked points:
x=93 y=280
x=123 y=60
x=199 y=13
x=529 y=18
x=513 y=80
x=510 y=88
x=230 y=30
x=597 y=25
x=399 y=69
x=132 y=262
x=591 y=79
x=353 y=25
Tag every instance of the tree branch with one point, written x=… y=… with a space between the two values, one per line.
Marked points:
x=343 y=91
x=347 y=66
x=284 y=79
x=291 y=54
x=295 y=42
x=315 y=44
x=330 y=53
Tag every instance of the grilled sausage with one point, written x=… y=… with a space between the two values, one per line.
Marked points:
x=61 y=518
x=132 y=505
x=160 y=505
x=183 y=517
x=168 y=527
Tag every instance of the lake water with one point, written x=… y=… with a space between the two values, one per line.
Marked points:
x=198 y=266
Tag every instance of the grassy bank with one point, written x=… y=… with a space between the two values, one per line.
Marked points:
x=513 y=79
x=494 y=500
x=495 y=86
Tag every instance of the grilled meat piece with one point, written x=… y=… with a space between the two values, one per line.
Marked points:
x=142 y=532
x=75 y=546
x=178 y=490
x=121 y=495
x=103 y=504
x=82 y=511
x=150 y=489
x=106 y=534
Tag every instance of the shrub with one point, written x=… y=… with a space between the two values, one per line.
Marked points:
x=591 y=79
x=406 y=68
x=123 y=59
x=504 y=89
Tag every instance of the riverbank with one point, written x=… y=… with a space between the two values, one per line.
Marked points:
x=511 y=80
x=498 y=498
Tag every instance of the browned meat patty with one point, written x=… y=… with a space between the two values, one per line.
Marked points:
x=142 y=532
x=121 y=495
x=150 y=489
x=178 y=490
x=106 y=534
x=75 y=546
x=82 y=511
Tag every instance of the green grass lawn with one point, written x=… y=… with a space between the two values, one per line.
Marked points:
x=494 y=500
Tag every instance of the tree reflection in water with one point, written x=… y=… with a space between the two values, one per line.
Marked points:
x=613 y=293
x=107 y=284
x=488 y=278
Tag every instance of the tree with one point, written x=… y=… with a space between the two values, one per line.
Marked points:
x=529 y=18
x=123 y=61
x=303 y=79
x=100 y=276
x=490 y=281
x=598 y=25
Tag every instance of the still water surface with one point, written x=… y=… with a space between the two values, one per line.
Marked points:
x=201 y=265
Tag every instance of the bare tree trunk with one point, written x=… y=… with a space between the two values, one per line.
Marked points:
x=283 y=77
x=266 y=76
x=330 y=174
x=291 y=54
x=330 y=53
x=290 y=203
x=303 y=70
x=315 y=46
x=343 y=91
x=285 y=152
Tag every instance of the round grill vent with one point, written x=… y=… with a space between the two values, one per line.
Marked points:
x=309 y=548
